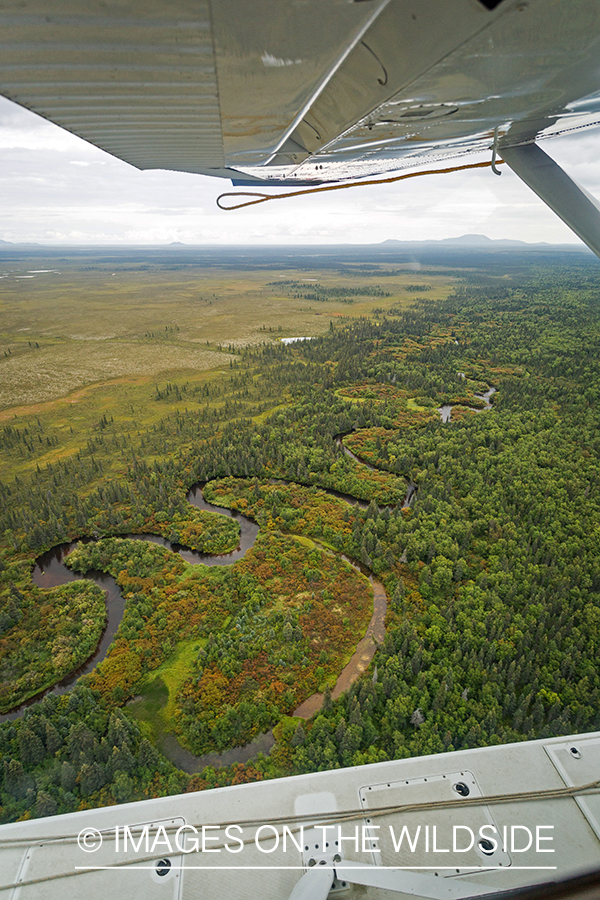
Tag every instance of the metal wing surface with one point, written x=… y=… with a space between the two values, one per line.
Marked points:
x=489 y=823
x=300 y=91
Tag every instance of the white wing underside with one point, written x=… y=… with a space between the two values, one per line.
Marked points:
x=304 y=90
x=526 y=786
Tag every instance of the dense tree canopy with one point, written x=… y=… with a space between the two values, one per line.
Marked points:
x=492 y=567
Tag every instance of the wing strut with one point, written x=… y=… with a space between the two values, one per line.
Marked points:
x=316 y=883
x=572 y=203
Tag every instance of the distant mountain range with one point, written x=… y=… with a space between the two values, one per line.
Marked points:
x=20 y=244
x=480 y=242
x=464 y=242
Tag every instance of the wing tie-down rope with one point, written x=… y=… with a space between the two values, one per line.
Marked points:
x=262 y=198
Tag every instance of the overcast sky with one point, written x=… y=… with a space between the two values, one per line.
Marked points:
x=57 y=189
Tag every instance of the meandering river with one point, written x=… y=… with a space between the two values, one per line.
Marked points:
x=50 y=571
x=411 y=488
x=446 y=410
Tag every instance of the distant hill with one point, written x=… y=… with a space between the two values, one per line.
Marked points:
x=482 y=240
x=23 y=244
x=479 y=241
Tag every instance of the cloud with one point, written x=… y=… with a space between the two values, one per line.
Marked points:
x=59 y=189
x=23 y=130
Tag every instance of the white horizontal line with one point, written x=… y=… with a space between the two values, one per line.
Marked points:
x=121 y=868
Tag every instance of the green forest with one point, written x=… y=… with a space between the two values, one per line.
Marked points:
x=484 y=531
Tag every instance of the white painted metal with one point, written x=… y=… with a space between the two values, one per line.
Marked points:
x=575 y=762
x=403 y=882
x=452 y=75
x=138 y=81
x=316 y=90
x=434 y=788
x=39 y=859
x=159 y=85
x=314 y=885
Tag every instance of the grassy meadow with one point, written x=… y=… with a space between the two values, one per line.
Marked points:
x=87 y=340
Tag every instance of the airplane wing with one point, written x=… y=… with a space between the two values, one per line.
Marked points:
x=311 y=91
x=302 y=90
